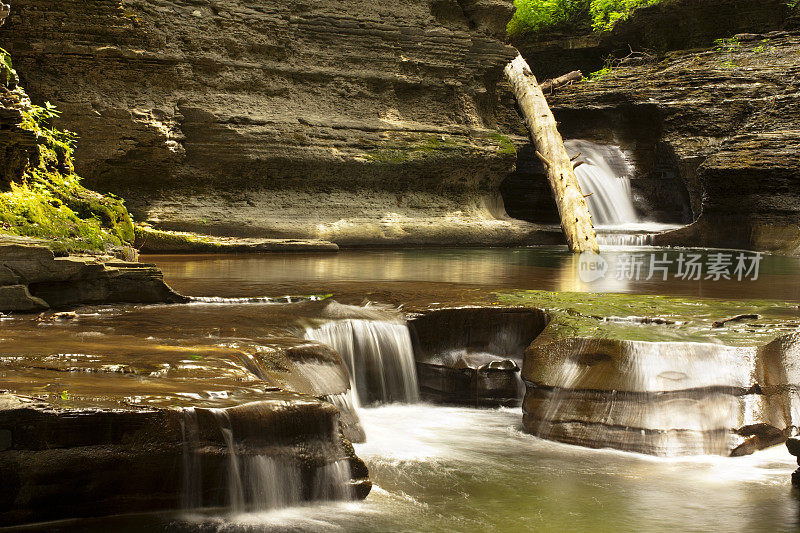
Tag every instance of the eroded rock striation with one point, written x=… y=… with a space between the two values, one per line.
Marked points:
x=351 y=121
x=98 y=425
x=655 y=375
x=33 y=279
x=718 y=126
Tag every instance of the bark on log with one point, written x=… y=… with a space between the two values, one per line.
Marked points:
x=548 y=85
x=576 y=222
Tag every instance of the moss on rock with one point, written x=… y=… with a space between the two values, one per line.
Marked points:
x=43 y=197
x=654 y=318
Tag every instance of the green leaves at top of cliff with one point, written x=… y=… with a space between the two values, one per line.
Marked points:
x=543 y=16
x=7 y=73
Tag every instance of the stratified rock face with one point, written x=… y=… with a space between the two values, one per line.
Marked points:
x=32 y=279
x=353 y=121
x=662 y=398
x=662 y=27
x=472 y=356
x=726 y=120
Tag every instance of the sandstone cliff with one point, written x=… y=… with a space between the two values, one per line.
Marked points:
x=716 y=128
x=353 y=121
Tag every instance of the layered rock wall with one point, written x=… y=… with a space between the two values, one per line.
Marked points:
x=352 y=121
x=724 y=120
x=33 y=279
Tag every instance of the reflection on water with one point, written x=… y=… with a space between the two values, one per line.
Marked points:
x=434 y=468
x=547 y=268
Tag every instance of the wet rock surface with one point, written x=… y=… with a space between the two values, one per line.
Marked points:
x=354 y=122
x=33 y=279
x=472 y=356
x=97 y=424
x=590 y=381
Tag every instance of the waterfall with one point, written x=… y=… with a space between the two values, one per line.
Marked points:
x=604 y=175
x=252 y=482
x=378 y=354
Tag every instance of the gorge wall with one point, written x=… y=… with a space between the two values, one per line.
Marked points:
x=351 y=121
x=716 y=124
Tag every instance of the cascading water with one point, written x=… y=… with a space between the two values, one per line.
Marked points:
x=254 y=482
x=605 y=177
x=378 y=354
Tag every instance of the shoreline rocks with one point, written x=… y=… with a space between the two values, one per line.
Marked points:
x=101 y=425
x=33 y=279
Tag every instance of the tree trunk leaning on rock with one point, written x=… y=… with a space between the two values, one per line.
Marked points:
x=576 y=222
x=548 y=86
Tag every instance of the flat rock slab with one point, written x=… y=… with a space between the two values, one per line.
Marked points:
x=33 y=279
x=654 y=375
x=113 y=427
x=150 y=240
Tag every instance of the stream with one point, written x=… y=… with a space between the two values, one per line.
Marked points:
x=437 y=468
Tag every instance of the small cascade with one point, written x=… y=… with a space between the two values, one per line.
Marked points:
x=625 y=239
x=378 y=354
x=252 y=482
x=605 y=177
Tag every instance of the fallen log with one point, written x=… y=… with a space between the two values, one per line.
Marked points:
x=548 y=85
x=576 y=222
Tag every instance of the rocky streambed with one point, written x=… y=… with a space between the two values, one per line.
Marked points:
x=209 y=400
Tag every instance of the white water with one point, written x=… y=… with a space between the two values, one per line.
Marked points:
x=605 y=177
x=254 y=483
x=378 y=354
x=445 y=469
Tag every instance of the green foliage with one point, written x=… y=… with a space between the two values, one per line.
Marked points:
x=728 y=48
x=763 y=47
x=6 y=68
x=533 y=16
x=597 y=74
x=49 y=201
x=606 y=13
x=537 y=16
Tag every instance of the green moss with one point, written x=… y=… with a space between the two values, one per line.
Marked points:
x=48 y=202
x=417 y=148
x=658 y=318
x=505 y=144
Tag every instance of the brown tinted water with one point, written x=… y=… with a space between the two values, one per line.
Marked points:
x=350 y=275
x=434 y=468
